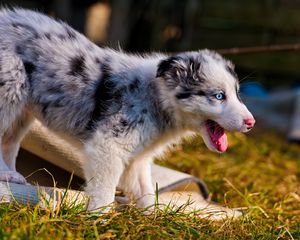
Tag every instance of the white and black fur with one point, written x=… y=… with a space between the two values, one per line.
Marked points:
x=120 y=110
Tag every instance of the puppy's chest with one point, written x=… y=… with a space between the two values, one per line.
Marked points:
x=156 y=146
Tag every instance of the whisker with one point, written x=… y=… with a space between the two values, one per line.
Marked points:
x=247 y=76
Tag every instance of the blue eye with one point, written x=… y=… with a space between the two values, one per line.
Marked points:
x=220 y=96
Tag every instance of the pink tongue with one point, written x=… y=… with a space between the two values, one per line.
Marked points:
x=221 y=142
x=218 y=138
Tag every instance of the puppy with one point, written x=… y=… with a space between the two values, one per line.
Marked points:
x=119 y=110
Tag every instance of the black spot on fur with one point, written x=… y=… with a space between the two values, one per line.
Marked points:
x=115 y=131
x=97 y=60
x=141 y=121
x=77 y=65
x=45 y=106
x=188 y=92
x=2 y=84
x=183 y=95
x=70 y=32
x=201 y=93
x=105 y=96
x=134 y=85
x=29 y=68
x=144 y=111
x=19 y=50
x=55 y=89
x=62 y=36
x=53 y=103
x=48 y=36
x=121 y=128
x=77 y=68
x=124 y=123
x=51 y=75
x=27 y=28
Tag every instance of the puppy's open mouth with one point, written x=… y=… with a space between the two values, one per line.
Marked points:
x=217 y=135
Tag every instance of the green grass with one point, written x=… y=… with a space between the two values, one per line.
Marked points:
x=260 y=172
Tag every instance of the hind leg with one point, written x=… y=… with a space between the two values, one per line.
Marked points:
x=8 y=175
x=10 y=147
x=14 y=90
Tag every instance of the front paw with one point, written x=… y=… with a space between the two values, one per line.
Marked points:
x=97 y=207
x=147 y=203
x=12 y=176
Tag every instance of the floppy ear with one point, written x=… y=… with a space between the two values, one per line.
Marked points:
x=165 y=66
x=172 y=69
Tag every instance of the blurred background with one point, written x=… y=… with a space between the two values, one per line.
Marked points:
x=270 y=79
x=176 y=25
